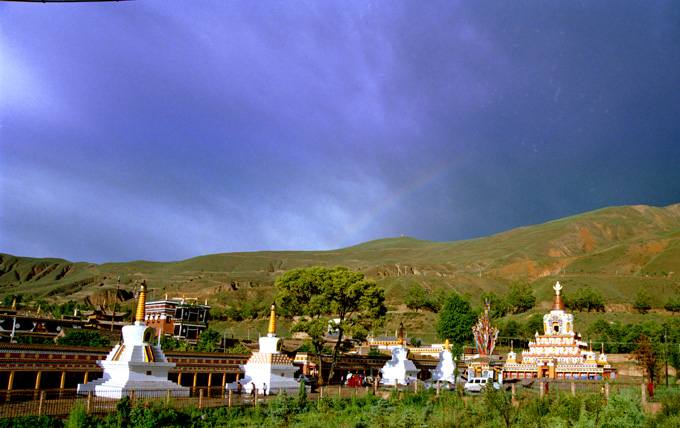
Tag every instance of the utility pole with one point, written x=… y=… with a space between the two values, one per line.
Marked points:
x=665 y=353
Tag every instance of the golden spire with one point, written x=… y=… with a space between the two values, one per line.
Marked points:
x=141 y=305
x=14 y=303
x=401 y=334
x=272 y=321
x=447 y=346
x=558 y=305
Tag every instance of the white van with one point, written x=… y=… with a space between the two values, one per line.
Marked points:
x=477 y=384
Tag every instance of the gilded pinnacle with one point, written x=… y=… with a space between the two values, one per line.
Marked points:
x=140 y=315
x=272 y=320
x=558 y=305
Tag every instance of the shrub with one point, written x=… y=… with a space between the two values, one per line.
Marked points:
x=78 y=417
x=623 y=411
x=31 y=422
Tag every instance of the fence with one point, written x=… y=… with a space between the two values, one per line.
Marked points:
x=58 y=402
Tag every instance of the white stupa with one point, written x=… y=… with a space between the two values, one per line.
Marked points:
x=269 y=366
x=135 y=365
x=445 y=370
x=399 y=368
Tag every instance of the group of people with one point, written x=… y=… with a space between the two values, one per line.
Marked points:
x=253 y=389
x=356 y=380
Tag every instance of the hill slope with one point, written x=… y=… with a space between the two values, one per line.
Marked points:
x=617 y=250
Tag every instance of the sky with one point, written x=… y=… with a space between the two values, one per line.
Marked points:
x=163 y=130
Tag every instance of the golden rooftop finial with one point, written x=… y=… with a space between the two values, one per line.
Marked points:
x=447 y=346
x=401 y=334
x=272 y=320
x=141 y=305
x=558 y=305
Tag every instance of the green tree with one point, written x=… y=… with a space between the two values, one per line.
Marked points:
x=672 y=304
x=585 y=298
x=209 y=340
x=642 y=301
x=534 y=324
x=83 y=338
x=169 y=343
x=238 y=348
x=417 y=299
x=455 y=319
x=511 y=329
x=321 y=294
x=520 y=298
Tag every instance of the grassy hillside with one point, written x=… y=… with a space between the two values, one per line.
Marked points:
x=616 y=250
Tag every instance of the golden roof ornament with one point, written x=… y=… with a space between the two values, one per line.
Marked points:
x=447 y=345
x=272 y=321
x=141 y=305
x=401 y=334
x=558 y=305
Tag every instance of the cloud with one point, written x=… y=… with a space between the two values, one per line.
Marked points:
x=161 y=131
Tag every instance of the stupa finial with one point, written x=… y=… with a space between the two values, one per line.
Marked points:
x=272 y=321
x=141 y=305
x=401 y=334
x=447 y=345
x=558 y=305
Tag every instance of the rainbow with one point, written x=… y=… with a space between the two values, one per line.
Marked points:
x=380 y=209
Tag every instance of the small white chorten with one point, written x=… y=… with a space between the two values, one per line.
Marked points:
x=135 y=365
x=446 y=368
x=269 y=368
x=399 y=368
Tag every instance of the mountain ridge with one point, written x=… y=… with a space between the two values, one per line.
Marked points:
x=614 y=249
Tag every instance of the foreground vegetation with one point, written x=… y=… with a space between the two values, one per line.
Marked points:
x=422 y=409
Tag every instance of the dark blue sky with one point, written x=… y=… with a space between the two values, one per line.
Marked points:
x=163 y=130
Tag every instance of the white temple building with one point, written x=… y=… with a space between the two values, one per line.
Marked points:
x=269 y=370
x=399 y=369
x=135 y=365
x=559 y=353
